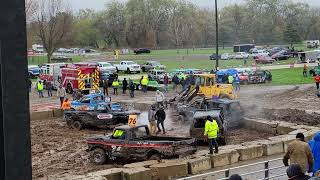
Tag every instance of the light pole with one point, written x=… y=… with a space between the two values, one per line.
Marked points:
x=217 y=37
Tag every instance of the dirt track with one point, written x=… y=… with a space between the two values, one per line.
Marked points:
x=59 y=151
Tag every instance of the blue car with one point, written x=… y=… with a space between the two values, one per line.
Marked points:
x=95 y=101
x=34 y=71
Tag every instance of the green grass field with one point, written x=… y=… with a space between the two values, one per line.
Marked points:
x=289 y=77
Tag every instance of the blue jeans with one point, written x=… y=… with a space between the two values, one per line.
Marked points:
x=131 y=93
x=49 y=92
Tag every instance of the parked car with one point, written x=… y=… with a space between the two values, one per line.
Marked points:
x=260 y=53
x=158 y=75
x=264 y=60
x=141 y=50
x=138 y=144
x=152 y=65
x=128 y=66
x=33 y=71
x=61 y=58
x=105 y=67
x=214 y=57
x=280 y=56
x=226 y=56
x=242 y=55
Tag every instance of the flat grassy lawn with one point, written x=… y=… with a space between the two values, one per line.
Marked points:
x=36 y=60
x=289 y=77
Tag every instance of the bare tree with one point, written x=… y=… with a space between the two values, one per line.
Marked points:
x=31 y=9
x=54 y=25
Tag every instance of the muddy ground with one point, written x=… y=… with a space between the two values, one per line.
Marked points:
x=58 y=151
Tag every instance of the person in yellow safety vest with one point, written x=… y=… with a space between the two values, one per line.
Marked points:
x=115 y=85
x=118 y=134
x=40 y=89
x=144 y=83
x=211 y=132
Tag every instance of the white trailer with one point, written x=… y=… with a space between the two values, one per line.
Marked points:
x=309 y=56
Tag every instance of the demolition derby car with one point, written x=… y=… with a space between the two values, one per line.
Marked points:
x=105 y=119
x=136 y=144
x=95 y=101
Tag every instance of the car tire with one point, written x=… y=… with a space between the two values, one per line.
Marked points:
x=138 y=72
x=98 y=156
x=143 y=69
x=117 y=70
x=155 y=156
x=69 y=123
x=128 y=71
x=77 y=125
x=139 y=87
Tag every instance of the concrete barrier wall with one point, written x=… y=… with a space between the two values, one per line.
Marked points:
x=38 y=115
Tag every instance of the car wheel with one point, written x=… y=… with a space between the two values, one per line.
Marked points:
x=128 y=71
x=138 y=72
x=143 y=69
x=77 y=125
x=99 y=156
x=139 y=87
x=117 y=70
x=69 y=123
x=156 y=156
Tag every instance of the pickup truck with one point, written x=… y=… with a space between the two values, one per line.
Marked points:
x=104 y=119
x=137 y=144
x=34 y=71
x=128 y=66
x=149 y=65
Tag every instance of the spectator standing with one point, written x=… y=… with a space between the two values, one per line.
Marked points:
x=175 y=81
x=237 y=83
x=299 y=153
x=105 y=87
x=152 y=120
x=144 y=83
x=132 y=88
x=61 y=93
x=295 y=172
x=124 y=86
x=49 y=88
x=166 y=82
x=305 y=70
x=160 y=117
x=317 y=80
x=182 y=83
x=211 y=132
x=315 y=149
x=230 y=79
x=160 y=99
x=40 y=89
x=115 y=85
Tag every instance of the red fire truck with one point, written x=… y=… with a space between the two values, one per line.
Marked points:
x=80 y=76
x=52 y=73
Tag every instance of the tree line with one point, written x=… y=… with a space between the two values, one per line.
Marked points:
x=172 y=24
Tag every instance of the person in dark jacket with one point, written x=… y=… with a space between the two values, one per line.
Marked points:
x=124 y=86
x=105 y=87
x=131 y=87
x=30 y=85
x=160 y=117
x=175 y=81
x=294 y=172
x=49 y=88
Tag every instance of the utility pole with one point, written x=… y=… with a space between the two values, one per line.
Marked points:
x=217 y=37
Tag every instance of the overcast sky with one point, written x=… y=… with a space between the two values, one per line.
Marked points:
x=99 y=4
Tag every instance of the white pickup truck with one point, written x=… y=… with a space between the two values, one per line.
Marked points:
x=128 y=66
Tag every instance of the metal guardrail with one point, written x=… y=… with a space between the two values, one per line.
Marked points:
x=227 y=174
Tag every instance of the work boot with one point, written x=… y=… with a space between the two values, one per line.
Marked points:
x=211 y=152
x=216 y=151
